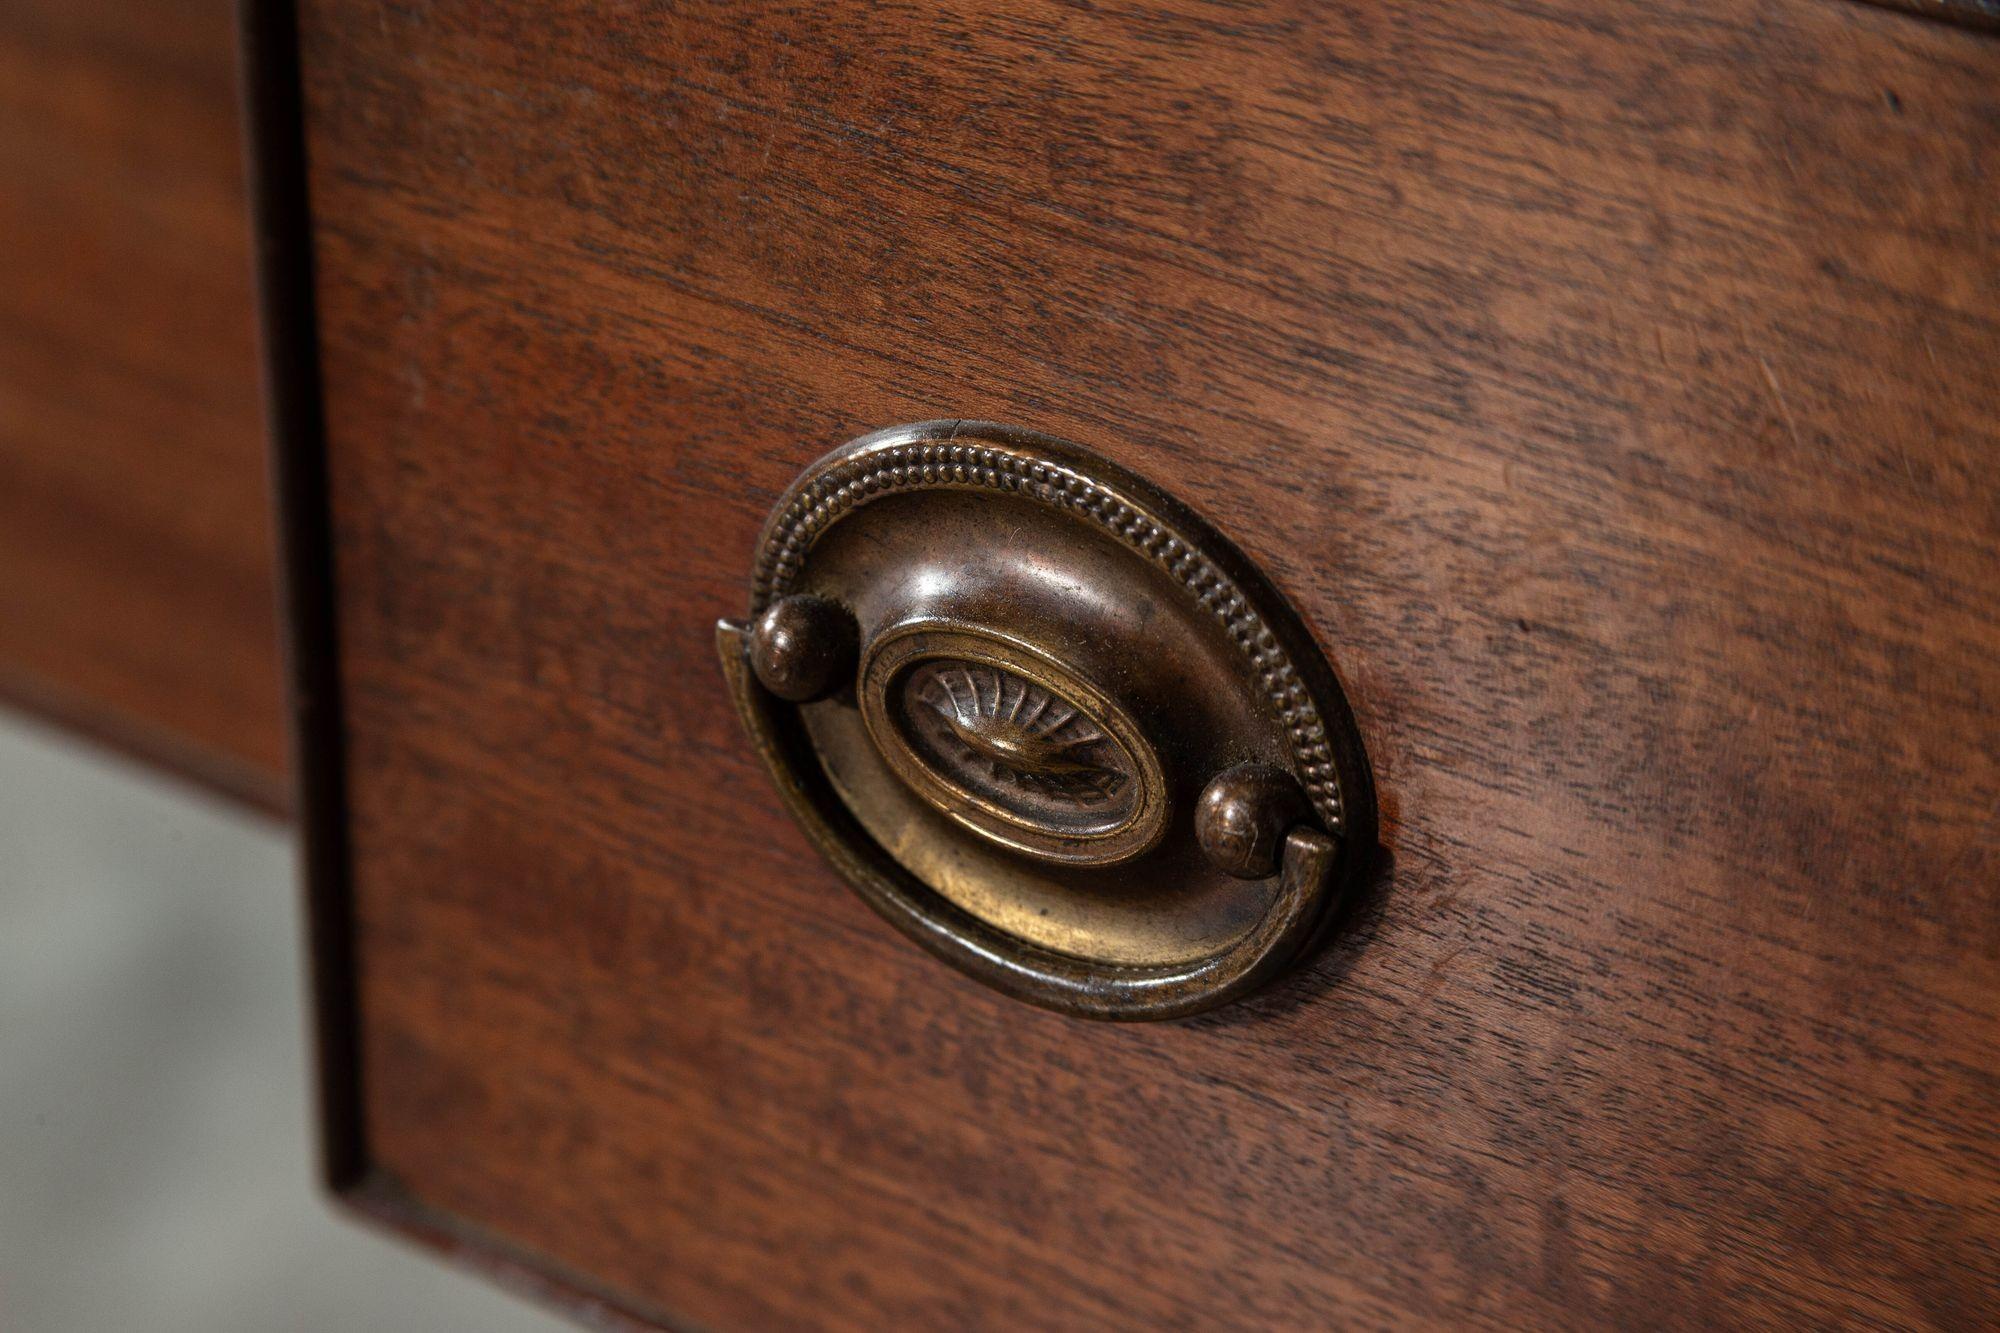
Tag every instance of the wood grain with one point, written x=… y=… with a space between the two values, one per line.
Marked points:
x=136 y=568
x=1610 y=385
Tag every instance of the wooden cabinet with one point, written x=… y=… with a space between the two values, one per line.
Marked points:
x=137 y=592
x=1611 y=387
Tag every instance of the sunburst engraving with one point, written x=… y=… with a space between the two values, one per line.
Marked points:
x=995 y=735
x=1021 y=733
x=1017 y=746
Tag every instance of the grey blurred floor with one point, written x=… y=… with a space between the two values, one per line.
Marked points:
x=155 y=1155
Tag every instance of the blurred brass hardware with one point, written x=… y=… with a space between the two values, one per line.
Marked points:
x=1047 y=722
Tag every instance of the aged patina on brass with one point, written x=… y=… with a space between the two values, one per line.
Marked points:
x=1047 y=721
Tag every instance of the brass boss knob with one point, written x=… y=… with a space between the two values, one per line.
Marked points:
x=1243 y=817
x=1048 y=722
x=802 y=648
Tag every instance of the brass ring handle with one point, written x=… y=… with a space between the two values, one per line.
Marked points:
x=1047 y=722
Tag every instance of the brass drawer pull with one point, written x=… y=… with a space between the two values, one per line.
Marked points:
x=1048 y=722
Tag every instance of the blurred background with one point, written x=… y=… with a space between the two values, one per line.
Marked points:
x=157 y=1167
x=156 y=1142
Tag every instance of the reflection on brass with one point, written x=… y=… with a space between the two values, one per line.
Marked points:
x=1047 y=722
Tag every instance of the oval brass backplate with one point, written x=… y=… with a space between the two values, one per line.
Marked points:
x=1048 y=722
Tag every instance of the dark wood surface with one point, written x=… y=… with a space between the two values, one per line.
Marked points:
x=1982 y=14
x=136 y=583
x=1610 y=384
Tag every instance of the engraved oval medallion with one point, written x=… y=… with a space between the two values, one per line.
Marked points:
x=1018 y=744
x=1001 y=739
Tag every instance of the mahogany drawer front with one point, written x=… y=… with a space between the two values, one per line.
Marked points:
x=138 y=594
x=1610 y=387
